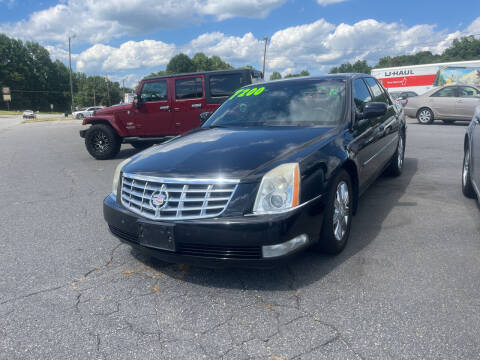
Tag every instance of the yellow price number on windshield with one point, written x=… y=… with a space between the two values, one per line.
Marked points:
x=247 y=92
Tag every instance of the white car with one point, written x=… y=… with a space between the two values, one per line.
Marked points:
x=85 y=112
x=29 y=114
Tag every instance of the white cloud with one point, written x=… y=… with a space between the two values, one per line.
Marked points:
x=248 y=8
x=317 y=47
x=100 y=21
x=329 y=2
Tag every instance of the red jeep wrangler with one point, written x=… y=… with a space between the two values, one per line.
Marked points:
x=165 y=106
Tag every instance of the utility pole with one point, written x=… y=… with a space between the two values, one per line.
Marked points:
x=108 y=90
x=70 y=61
x=265 y=38
x=123 y=83
x=94 y=102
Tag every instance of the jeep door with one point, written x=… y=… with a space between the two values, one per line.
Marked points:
x=468 y=99
x=153 y=117
x=188 y=103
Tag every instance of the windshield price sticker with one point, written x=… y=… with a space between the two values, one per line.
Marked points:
x=248 y=92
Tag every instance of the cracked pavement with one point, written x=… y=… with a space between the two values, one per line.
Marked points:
x=406 y=287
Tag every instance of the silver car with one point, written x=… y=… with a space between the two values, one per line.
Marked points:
x=471 y=159
x=448 y=103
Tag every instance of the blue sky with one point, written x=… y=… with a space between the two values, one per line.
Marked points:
x=131 y=38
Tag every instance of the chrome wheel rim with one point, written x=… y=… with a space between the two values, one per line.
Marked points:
x=341 y=211
x=424 y=116
x=400 y=153
x=100 y=142
x=466 y=164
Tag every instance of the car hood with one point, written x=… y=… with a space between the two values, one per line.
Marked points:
x=241 y=154
x=112 y=109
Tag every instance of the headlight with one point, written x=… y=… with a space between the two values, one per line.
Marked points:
x=116 y=176
x=279 y=190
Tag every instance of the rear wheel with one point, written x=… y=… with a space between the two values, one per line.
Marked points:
x=425 y=116
x=102 y=142
x=467 y=187
x=80 y=116
x=338 y=216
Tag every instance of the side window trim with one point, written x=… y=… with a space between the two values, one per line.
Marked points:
x=202 y=84
x=149 y=82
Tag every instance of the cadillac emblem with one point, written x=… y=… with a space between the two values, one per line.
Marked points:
x=159 y=200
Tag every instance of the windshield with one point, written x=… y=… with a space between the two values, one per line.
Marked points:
x=285 y=103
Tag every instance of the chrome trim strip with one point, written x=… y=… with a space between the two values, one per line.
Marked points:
x=182 y=180
x=286 y=210
x=379 y=151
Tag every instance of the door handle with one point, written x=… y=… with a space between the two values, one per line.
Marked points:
x=196 y=105
x=164 y=107
x=176 y=109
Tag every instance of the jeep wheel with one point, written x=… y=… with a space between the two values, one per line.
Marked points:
x=102 y=142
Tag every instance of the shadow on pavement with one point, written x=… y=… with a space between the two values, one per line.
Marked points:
x=374 y=207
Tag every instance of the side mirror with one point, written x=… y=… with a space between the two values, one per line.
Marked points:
x=137 y=101
x=204 y=117
x=374 y=109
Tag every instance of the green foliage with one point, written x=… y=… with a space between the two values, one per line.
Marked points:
x=275 y=76
x=358 y=67
x=301 y=73
x=179 y=64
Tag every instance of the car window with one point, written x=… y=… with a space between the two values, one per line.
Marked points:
x=445 y=92
x=378 y=94
x=287 y=103
x=412 y=94
x=188 y=88
x=224 y=85
x=467 y=91
x=154 y=91
x=361 y=95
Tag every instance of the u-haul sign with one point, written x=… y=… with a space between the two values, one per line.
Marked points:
x=421 y=78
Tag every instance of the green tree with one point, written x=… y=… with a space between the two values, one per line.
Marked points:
x=358 y=67
x=301 y=73
x=275 y=76
x=179 y=64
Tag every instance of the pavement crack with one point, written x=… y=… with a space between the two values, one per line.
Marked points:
x=32 y=294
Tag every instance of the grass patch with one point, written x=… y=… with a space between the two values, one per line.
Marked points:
x=59 y=118
x=13 y=112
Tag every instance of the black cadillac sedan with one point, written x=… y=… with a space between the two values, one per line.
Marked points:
x=277 y=169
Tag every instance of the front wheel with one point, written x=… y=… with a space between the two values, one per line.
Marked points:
x=338 y=216
x=467 y=187
x=425 y=116
x=102 y=142
x=396 y=164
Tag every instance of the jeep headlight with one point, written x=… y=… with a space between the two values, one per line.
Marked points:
x=279 y=189
x=116 y=176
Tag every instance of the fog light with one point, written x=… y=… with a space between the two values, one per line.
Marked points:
x=269 y=251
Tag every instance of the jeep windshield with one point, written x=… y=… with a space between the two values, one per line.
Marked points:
x=302 y=102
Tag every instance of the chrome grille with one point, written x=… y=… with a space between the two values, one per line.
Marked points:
x=182 y=198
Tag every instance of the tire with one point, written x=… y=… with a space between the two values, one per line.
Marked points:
x=396 y=164
x=79 y=116
x=425 y=116
x=448 y=122
x=102 y=142
x=467 y=187
x=332 y=238
x=141 y=145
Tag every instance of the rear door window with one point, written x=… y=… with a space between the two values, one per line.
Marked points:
x=188 y=88
x=154 y=91
x=377 y=91
x=224 y=85
x=361 y=95
x=467 y=91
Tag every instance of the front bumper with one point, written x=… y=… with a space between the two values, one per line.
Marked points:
x=222 y=241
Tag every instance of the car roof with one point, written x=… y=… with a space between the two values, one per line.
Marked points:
x=201 y=73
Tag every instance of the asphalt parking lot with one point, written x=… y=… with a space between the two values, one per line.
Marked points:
x=406 y=287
